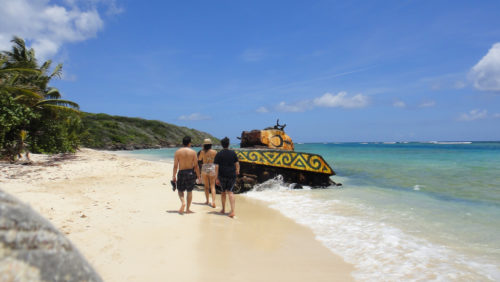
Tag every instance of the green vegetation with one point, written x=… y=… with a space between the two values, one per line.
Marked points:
x=32 y=114
x=34 y=118
x=117 y=132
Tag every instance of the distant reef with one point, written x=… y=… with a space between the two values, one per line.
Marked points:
x=125 y=133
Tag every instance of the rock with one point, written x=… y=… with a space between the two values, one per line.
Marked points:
x=32 y=249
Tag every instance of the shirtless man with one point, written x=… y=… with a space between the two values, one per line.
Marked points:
x=186 y=161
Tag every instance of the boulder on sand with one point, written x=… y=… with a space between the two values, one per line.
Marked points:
x=32 y=249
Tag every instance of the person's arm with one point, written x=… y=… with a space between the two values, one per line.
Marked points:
x=217 y=182
x=196 y=167
x=216 y=162
x=236 y=164
x=176 y=164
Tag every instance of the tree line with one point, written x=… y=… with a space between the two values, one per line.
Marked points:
x=33 y=116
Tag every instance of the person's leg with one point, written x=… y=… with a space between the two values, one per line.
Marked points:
x=183 y=202
x=223 y=198
x=207 y=186
x=189 y=200
x=212 y=189
x=232 y=203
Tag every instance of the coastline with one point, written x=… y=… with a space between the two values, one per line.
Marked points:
x=122 y=215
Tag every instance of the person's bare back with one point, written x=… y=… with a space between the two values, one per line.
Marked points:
x=185 y=158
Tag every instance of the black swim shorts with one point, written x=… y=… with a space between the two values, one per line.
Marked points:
x=227 y=184
x=186 y=179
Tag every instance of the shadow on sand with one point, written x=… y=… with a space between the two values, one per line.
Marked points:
x=199 y=204
x=217 y=213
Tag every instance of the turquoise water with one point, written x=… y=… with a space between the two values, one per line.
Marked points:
x=454 y=172
x=406 y=211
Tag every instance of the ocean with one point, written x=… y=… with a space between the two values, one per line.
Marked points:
x=405 y=211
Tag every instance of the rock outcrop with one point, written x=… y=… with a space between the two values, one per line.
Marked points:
x=31 y=249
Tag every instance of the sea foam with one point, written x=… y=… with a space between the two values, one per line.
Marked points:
x=378 y=250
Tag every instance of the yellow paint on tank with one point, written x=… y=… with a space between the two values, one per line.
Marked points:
x=285 y=159
x=276 y=139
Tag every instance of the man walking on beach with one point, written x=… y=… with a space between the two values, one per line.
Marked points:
x=186 y=161
x=227 y=168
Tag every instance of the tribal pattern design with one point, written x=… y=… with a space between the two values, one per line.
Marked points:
x=285 y=159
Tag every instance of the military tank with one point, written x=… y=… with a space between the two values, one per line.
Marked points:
x=267 y=153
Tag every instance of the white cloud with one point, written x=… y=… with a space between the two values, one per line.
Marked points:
x=399 y=104
x=300 y=106
x=427 y=104
x=252 y=55
x=473 y=115
x=328 y=100
x=446 y=81
x=47 y=26
x=341 y=100
x=262 y=110
x=486 y=73
x=194 y=117
x=111 y=7
x=497 y=115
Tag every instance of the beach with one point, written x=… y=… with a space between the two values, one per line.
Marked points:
x=123 y=216
x=412 y=211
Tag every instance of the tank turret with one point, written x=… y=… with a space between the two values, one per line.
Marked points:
x=271 y=137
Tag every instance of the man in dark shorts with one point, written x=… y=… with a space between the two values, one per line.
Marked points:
x=227 y=168
x=186 y=161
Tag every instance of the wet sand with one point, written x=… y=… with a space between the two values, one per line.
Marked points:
x=122 y=215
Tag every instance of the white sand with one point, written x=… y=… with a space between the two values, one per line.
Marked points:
x=122 y=215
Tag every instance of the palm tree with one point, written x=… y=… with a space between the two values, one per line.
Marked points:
x=27 y=84
x=21 y=76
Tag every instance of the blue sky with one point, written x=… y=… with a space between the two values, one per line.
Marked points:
x=332 y=71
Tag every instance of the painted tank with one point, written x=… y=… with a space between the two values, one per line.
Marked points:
x=267 y=153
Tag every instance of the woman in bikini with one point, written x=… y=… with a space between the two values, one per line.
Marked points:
x=207 y=157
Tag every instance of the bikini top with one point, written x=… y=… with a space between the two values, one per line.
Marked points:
x=207 y=158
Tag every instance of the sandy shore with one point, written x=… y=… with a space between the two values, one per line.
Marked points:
x=122 y=215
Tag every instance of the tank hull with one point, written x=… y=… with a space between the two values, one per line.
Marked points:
x=259 y=165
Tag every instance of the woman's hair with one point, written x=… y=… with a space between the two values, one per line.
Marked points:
x=207 y=147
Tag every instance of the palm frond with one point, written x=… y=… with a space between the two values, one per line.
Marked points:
x=12 y=79
x=7 y=70
x=53 y=93
x=18 y=42
x=45 y=66
x=3 y=60
x=21 y=93
x=60 y=108
x=31 y=53
x=59 y=103
x=57 y=71
x=20 y=56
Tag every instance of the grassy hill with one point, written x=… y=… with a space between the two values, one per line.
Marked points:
x=125 y=133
